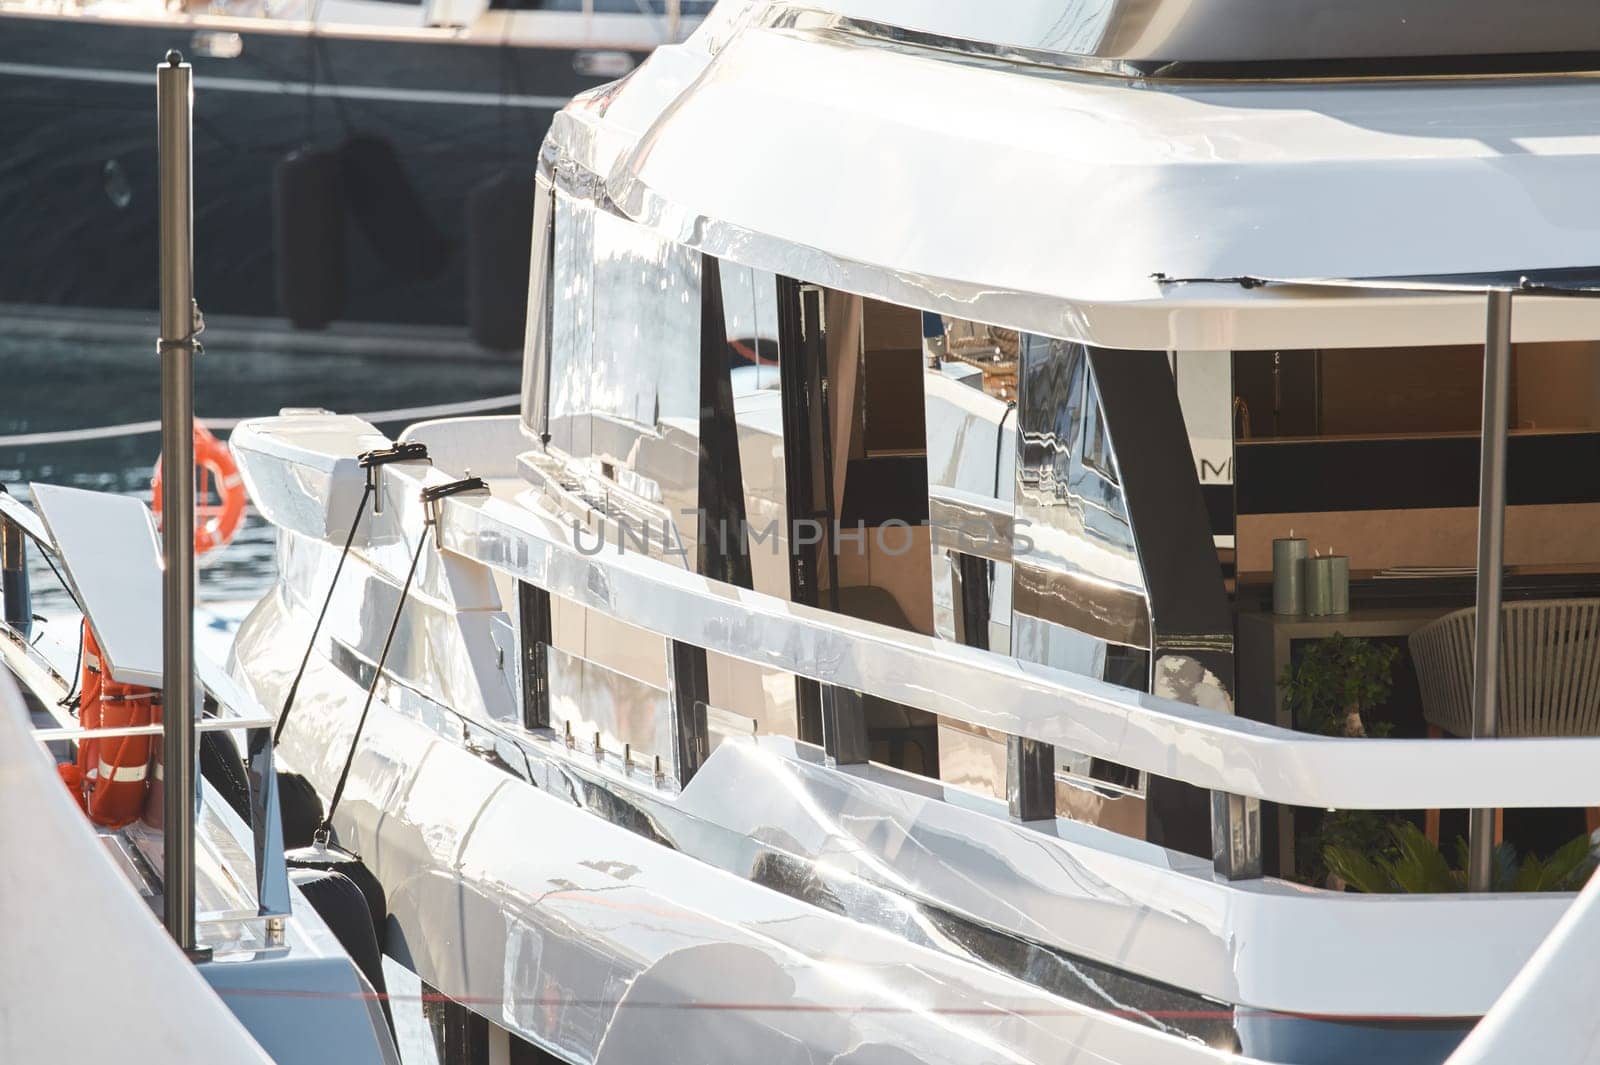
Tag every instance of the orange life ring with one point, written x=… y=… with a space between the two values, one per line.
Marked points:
x=112 y=776
x=214 y=523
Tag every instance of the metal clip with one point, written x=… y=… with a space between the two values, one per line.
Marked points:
x=434 y=494
x=373 y=460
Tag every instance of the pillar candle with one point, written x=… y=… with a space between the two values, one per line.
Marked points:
x=1327 y=583
x=1341 y=583
x=1288 y=578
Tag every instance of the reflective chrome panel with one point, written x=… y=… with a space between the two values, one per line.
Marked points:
x=1078 y=587
x=606 y=711
x=572 y=325
x=428 y=652
x=535 y=413
x=625 y=367
x=1191 y=618
x=972 y=447
x=750 y=315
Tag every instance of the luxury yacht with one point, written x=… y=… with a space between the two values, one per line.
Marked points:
x=357 y=159
x=986 y=566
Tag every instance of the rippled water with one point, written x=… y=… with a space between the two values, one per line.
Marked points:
x=54 y=381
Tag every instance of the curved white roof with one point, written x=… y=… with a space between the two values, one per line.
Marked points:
x=1049 y=200
x=1149 y=34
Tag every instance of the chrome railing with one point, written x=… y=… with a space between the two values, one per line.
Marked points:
x=1241 y=762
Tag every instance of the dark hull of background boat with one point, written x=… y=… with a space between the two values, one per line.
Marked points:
x=78 y=166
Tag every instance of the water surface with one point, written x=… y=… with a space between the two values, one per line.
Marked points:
x=55 y=380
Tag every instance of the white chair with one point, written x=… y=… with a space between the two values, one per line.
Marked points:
x=1549 y=674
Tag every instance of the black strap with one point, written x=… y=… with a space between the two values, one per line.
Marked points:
x=325 y=829
x=69 y=701
x=429 y=495
x=294 y=688
x=367 y=460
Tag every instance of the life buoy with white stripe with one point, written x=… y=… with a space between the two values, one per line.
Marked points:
x=112 y=775
x=214 y=523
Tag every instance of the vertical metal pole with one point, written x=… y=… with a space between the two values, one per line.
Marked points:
x=174 y=99
x=689 y=689
x=844 y=726
x=1491 y=562
x=533 y=605
x=1030 y=779
x=1235 y=836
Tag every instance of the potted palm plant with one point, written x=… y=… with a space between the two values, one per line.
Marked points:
x=1415 y=865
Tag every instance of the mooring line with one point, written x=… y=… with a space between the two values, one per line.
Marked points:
x=398 y=414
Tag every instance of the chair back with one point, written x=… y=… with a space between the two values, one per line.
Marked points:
x=1549 y=668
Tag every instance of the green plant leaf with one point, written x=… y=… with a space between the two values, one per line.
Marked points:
x=1418 y=867
x=1357 y=870
x=1568 y=869
x=1421 y=867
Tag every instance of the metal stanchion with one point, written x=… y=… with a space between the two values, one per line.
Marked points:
x=176 y=347
x=1491 y=562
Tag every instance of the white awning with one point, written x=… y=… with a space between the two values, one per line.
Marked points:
x=1050 y=201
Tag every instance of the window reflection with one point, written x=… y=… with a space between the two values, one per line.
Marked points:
x=750 y=312
x=646 y=326
x=990 y=349
x=571 y=325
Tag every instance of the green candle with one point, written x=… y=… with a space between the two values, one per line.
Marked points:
x=1327 y=584
x=1288 y=582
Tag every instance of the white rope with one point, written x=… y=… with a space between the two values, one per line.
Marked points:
x=399 y=414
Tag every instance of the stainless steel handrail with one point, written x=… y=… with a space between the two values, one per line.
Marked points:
x=1208 y=749
x=210 y=724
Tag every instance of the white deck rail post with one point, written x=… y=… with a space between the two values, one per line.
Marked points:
x=1491 y=563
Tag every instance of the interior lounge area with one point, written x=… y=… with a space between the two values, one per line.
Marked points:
x=1374 y=455
x=1058 y=533
x=1341 y=487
